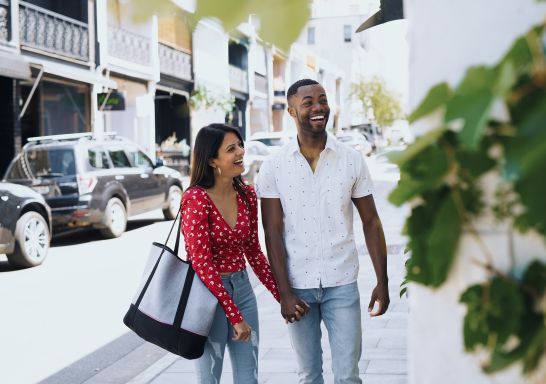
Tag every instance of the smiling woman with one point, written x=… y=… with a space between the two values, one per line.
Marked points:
x=220 y=228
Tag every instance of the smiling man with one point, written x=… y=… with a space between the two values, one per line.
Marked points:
x=307 y=191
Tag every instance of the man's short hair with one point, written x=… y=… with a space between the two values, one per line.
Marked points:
x=300 y=83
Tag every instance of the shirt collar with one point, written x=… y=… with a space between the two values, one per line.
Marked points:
x=330 y=144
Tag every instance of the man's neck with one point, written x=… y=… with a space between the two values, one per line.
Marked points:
x=312 y=143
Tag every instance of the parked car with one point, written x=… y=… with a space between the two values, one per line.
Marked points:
x=255 y=154
x=25 y=225
x=357 y=141
x=95 y=181
x=274 y=140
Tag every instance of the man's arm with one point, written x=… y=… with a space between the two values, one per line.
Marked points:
x=375 y=241
x=292 y=307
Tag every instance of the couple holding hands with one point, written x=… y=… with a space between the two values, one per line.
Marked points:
x=307 y=191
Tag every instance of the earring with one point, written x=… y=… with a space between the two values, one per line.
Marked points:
x=219 y=171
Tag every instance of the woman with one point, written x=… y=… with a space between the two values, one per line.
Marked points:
x=220 y=227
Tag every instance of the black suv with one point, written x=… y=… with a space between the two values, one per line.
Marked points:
x=95 y=180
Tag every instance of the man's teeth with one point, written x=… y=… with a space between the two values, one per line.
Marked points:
x=317 y=118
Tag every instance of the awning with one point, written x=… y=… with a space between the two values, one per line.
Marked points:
x=14 y=65
x=73 y=73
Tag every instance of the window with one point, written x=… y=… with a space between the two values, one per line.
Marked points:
x=139 y=159
x=98 y=158
x=119 y=158
x=347 y=33
x=51 y=162
x=311 y=35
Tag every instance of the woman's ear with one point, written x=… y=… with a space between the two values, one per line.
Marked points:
x=211 y=163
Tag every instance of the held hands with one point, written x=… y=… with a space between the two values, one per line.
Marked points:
x=241 y=331
x=293 y=308
x=380 y=295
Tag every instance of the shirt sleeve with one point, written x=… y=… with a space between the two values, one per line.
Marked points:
x=253 y=250
x=363 y=185
x=195 y=228
x=266 y=184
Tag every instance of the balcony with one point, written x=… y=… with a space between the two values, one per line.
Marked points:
x=129 y=46
x=4 y=21
x=238 y=79
x=43 y=30
x=174 y=63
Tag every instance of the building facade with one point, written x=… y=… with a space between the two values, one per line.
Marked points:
x=60 y=62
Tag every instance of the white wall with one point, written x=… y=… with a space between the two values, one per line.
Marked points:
x=446 y=37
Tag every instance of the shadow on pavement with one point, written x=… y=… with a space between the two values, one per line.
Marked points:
x=7 y=267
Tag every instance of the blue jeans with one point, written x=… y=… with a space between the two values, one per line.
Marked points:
x=244 y=355
x=339 y=308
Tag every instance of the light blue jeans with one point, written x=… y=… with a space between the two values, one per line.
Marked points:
x=244 y=355
x=339 y=308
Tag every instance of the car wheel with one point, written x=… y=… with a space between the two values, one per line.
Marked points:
x=174 y=198
x=32 y=239
x=115 y=216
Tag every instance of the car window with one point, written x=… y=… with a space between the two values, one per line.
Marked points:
x=139 y=159
x=50 y=162
x=119 y=158
x=98 y=158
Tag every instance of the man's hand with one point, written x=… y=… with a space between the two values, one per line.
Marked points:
x=380 y=294
x=293 y=308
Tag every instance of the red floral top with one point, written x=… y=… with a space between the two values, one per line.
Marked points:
x=214 y=247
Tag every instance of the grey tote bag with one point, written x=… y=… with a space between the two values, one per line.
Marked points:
x=172 y=307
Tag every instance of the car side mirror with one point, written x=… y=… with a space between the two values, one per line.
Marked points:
x=159 y=163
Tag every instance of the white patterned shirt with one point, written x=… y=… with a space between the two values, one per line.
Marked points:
x=318 y=211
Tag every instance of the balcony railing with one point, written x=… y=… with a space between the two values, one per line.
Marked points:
x=238 y=79
x=4 y=21
x=174 y=62
x=129 y=46
x=51 y=32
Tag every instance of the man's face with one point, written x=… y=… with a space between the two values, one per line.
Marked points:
x=309 y=108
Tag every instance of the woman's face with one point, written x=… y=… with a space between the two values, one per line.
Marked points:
x=230 y=156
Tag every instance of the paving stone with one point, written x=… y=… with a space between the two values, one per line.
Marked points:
x=387 y=366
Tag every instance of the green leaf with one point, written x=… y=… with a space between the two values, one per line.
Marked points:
x=535 y=276
x=436 y=97
x=230 y=13
x=474 y=325
x=475 y=162
x=281 y=21
x=422 y=173
x=419 y=145
x=473 y=109
x=434 y=230
x=505 y=310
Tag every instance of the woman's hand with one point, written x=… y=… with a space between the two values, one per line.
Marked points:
x=241 y=331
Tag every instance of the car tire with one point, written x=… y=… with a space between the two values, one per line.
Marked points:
x=32 y=239
x=115 y=216
x=173 y=199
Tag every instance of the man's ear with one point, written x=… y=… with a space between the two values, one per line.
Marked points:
x=292 y=111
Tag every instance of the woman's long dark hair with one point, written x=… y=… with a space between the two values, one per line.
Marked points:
x=207 y=143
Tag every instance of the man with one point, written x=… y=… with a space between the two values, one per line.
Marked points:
x=307 y=190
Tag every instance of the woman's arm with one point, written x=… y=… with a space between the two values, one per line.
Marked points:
x=253 y=250
x=195 y=228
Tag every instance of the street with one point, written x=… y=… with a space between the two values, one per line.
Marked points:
x=55 y=315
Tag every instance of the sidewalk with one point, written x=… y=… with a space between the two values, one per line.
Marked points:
x=384 y=344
